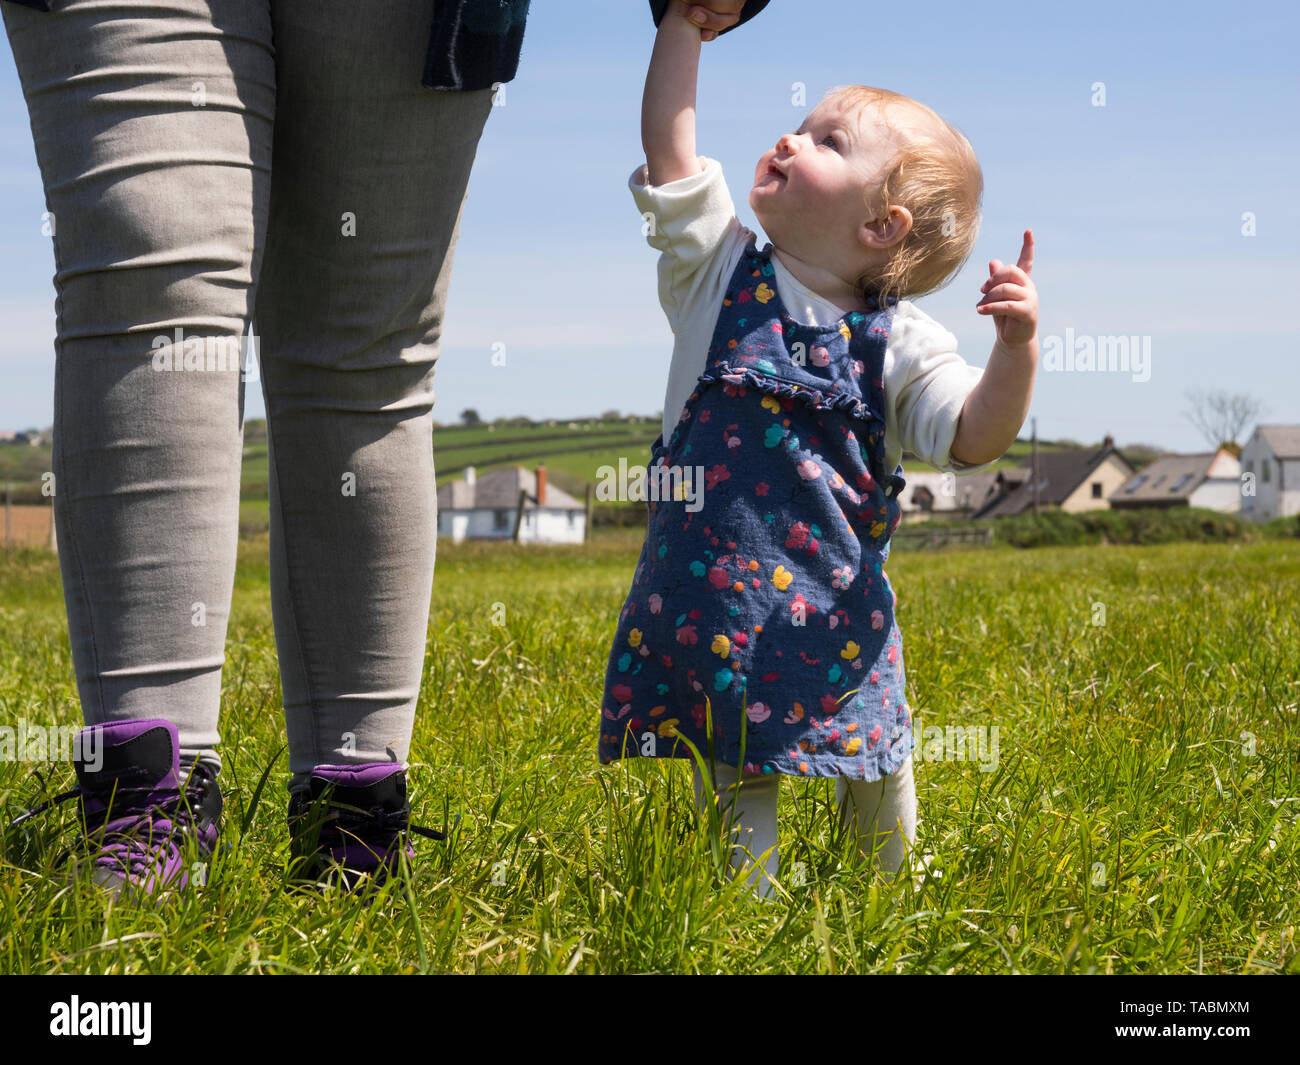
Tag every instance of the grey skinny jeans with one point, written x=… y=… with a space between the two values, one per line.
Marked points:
x=208 y=161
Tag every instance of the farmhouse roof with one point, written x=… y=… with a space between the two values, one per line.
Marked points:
x=1168 y=477
x=1059 y=474
x=1283 y=440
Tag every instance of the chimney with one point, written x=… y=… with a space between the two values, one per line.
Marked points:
x=1108 y=441
x=541 y=486
x=469 y=476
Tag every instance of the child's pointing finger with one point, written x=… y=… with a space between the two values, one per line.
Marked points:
x=1026 y=262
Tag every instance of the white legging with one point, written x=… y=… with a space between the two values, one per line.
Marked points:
x=882 y=807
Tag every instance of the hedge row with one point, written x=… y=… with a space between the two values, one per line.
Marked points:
x=1057 y=528
x=1156 y=525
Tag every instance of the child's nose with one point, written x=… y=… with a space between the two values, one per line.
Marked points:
x=786 y=144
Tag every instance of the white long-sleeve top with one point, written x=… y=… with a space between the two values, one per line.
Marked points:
x=693 y=224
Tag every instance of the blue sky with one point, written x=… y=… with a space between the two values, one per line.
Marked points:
x=1136 y=206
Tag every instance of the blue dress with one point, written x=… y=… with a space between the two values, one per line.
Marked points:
x=766 y=612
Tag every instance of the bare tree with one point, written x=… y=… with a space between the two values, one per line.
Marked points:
x=1220 y=417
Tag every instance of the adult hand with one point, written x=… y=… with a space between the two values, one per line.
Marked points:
x=712 y=16
x=1011 y=297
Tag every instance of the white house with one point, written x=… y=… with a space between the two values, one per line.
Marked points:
x=929 y=494
x=1209 y=479
x=484 y=507
x=1270 y=469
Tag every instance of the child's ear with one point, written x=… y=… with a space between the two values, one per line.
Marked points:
x=885 y=232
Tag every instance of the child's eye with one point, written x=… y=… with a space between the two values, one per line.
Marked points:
x=829 y=140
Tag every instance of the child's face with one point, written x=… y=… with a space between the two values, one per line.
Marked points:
x=808 y=191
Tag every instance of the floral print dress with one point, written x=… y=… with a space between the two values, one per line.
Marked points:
x=766 y=613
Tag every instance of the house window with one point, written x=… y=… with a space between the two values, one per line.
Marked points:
x=1136 y=483
x=573 y=519
x=1181 y=481
x=501 y=519
x=1263 y=470
x=1096 y=489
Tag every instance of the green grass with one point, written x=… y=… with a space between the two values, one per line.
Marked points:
x=1129 y=825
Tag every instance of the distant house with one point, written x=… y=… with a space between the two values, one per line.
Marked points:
x=1270 y=467
x=484 y=507
x=1071 y=480
x=930 y=495
x=1209 y=479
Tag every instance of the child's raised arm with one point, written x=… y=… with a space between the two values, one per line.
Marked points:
x=668 y=106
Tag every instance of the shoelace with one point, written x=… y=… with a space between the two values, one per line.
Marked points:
x=347 y=818
x=179 y=812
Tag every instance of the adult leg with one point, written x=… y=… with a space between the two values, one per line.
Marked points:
x=751 y=822
x=152 y=128
x=370 y=176
x=883 y=813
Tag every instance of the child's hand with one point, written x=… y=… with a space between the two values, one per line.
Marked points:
x=712 y=17
x=1011 y=298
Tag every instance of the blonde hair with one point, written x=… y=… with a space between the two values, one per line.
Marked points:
x=937 y=177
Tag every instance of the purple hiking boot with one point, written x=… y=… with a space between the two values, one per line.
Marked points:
x=351 y=822
x=136 y=811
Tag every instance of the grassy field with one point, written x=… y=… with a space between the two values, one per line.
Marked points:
x=1142 y=816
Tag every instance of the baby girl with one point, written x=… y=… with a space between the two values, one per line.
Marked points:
x=759 y=635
